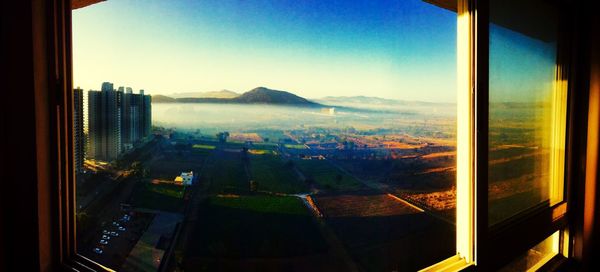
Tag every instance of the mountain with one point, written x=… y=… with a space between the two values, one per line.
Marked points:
x=260 y=95
x=217 y=94
x=374 y=101
x=163 y=99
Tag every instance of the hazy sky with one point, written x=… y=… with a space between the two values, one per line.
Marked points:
x=403 y=49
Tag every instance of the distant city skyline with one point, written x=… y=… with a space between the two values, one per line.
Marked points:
x=390 y=49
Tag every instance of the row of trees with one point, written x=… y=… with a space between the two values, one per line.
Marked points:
x=222 y=136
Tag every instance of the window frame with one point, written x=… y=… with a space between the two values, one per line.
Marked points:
x=504 y=241
x=484 y=242
x=59 y=24
x=524 y=230
x=491 y=247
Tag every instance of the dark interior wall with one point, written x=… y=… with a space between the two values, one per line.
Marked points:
x=25 y=138
x=19 y=176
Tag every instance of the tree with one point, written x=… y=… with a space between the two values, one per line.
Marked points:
x=222 y=136
x=138 y=169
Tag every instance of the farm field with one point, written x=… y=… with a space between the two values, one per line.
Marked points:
x=363 y=204
x=273 y=174
x=246 y=232
x=295 y=146
x=164 y=197
x=224 y=172
x=172 y=160
x=165 y=169
x=517 y=182
x=326 y=176
x=383 y=234
x=203 y=146
x=441 y=202
x=367 y=169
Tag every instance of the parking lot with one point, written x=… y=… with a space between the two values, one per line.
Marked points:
x=116 y=238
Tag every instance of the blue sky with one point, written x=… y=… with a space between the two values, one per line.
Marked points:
x=403 y=49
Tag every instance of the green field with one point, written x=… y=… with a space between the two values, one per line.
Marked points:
x=203 y=146
x=166 y=197
x=262 y=204
x=327 y=176
x=273 y=174
x=254 y=227
x=270 y=146
x=295 y=146
x=171 y=160
x=169 y=169
x=261 y=152
x=225 y=174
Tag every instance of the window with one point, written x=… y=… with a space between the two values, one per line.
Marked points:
x=266 y=135
x=534 y=258
x=199 y=181
x=527 y=111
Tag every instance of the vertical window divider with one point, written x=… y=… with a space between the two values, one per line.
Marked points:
x=465 y=146
x=480 y=66
x=480 y=56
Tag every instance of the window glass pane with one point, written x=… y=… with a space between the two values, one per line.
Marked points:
x=532 y=259
x=527 y=109
x=269 y=135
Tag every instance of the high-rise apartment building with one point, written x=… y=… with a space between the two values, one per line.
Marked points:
x=146 y=114
x=104 y=123
x=136 y=116
x=78 y=131
x=126 y=118
x=117 y=120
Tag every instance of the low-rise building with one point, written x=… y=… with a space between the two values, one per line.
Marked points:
x=186 y=178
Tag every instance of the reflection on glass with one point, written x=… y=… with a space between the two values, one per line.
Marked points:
x=534 y=258
x=526 y=111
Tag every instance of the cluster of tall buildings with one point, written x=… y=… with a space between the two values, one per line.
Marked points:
x=117 y=118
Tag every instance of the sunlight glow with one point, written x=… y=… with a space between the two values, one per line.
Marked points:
x=465 y=146
x=558 y=133
x=555 y=240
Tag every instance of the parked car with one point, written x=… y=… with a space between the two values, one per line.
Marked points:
x=106 y=237
x=114 y=233
x=103 y=242
x=98 y=251
x=115 y=223
x=121 y=229
x=105 y=232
